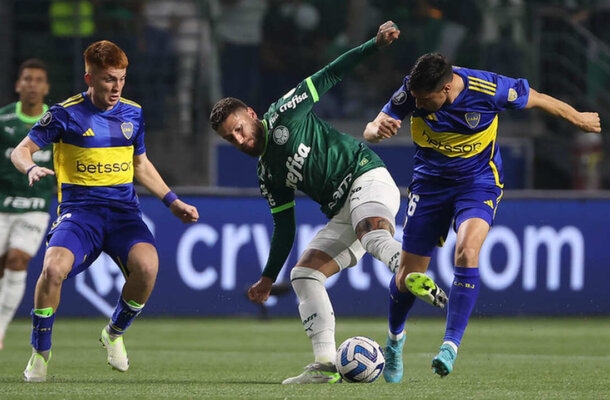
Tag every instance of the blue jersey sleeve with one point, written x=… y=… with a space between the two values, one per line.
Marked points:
x=401 y=104
x=50 y=127
x=138 y=144
x=511 y=94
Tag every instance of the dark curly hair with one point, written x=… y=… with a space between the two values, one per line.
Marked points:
x=430 y=72
x=223 y=108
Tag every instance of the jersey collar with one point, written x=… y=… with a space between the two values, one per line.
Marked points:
x=28 y=119
x=266 y=129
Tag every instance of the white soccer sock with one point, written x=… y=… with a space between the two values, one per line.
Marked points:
x=453 y=345
x=13 y=289
x=316 y=312
x=396 y=336
x=381 y=245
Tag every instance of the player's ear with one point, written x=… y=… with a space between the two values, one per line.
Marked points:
x=252 y=113
x=88 y=79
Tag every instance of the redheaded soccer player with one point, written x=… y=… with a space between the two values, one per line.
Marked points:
x=98 y=144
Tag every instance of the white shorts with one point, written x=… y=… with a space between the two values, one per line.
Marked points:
x=373 y=194
x=23 y=231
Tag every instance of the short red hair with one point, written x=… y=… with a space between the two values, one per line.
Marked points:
x=105 y=54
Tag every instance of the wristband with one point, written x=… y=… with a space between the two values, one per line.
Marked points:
x=169 y=198
x=27 y=172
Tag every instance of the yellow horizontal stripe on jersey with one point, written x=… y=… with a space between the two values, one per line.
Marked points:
x=72 y=101
x=482 y=82
x=486 y=91
x=100 y=166
x=453 y=144
x=481 y=85
x=133 y=103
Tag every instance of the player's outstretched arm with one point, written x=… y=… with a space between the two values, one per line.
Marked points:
x=586 y=121
x=186 y=212
x=148 y=176
x=21 y=157
x=382 y=127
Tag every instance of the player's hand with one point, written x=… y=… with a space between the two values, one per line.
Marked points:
x=38 y=173
x=589 y=122
x=387 y=33
x=381 y=128
x=186 y=212
x=259 y=292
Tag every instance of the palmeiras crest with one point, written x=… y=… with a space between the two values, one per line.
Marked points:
x=280 y=135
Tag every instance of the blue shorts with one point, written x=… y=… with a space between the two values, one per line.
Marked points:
x=87 y=231
x=434 y=206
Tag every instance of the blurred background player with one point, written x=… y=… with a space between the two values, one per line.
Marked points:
x=24 y=210
x=299 y=151
x=457 y=180
x=98 y=140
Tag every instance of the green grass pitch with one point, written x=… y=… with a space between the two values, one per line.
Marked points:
x=512 y=358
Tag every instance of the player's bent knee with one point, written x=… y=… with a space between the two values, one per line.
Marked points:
x=147 y=271
x=299 y=273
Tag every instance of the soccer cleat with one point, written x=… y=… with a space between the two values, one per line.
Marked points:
x=117 y=355
x=316 y=373
x=442 y=364
x=423 y=287
x=393 y=370
x=36 y=370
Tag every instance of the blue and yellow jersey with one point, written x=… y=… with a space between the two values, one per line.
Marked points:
x=458 y=142
x=93 y=151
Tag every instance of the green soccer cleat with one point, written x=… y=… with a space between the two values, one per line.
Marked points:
x=316 y=373
x=393 y=370
x=117 y=355
x=423 y=287
x=36 y=370
x=442 y=364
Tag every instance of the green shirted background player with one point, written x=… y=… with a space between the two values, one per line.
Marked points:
x=24 y=209
x=299 y=151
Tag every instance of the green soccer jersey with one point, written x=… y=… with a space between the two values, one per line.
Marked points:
x=16 y=196
x=305 y=153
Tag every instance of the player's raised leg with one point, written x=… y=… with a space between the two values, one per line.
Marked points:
x=424 y=288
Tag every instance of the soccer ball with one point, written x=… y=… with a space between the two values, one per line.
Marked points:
x=360 y=359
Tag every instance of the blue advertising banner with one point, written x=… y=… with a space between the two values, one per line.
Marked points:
x=542 y=257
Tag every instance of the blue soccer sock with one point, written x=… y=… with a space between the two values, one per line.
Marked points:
x=42 y=328
x=462 y=298
x=400 y=304
x=124 y=314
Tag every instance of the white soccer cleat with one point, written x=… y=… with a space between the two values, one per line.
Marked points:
x=36 y=370
x=315 y=373
x=117 y=355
